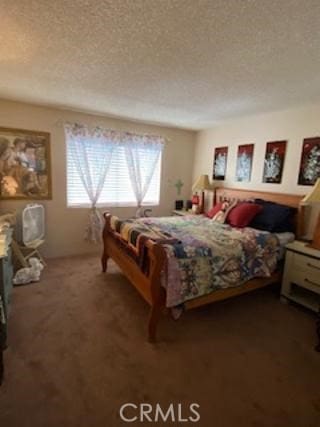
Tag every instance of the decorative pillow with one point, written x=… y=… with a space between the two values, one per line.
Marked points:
x=216 y=208
x=223 y=213
x=242 y=214
x=273 y=217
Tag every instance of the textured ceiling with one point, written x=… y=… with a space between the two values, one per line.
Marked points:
x=185 y=63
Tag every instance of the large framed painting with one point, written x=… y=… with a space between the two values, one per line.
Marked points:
x=220 y=163
x=274 y=161
x=310 y=161
x=24 y=164
x=244 y=162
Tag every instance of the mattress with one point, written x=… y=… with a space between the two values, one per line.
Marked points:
x=204 y=256
x=284 y=239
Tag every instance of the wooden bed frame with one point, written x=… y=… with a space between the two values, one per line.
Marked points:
x=149 y=285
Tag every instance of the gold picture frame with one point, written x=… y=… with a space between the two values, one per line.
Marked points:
x=25 y=165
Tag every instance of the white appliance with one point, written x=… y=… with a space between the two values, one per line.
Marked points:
x=33 y=225
x=30 y=234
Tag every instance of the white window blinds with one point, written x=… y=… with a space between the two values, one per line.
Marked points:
x=117 y=188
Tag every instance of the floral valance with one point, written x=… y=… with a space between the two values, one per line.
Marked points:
x=76 y=130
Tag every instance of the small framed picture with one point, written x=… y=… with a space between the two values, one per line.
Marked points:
x=24 y=164
x=220 y=163
x=274 y=161
x=244 y=162
x=310 y=161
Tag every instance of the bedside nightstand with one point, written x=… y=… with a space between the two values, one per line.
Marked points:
x=301 y=278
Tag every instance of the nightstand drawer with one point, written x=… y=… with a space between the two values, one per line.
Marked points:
x=307 y=280
x=305 y=263
x=301 y=277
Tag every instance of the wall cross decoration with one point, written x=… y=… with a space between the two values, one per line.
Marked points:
x=179 y=184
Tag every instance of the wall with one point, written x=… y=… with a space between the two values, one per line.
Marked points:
x=292 y=125
x=65 y=226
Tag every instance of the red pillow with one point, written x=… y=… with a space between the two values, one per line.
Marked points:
x=243 y=214
x=216 y=208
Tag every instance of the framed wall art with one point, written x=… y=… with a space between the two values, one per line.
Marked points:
x=310 y=161
x=220 y=163
x=274 y=161
x=24 y=164
x=244 y=162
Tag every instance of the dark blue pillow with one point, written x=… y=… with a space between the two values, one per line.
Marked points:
x=273 y=217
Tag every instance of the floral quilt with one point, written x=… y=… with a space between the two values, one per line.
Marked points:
x=204 y=256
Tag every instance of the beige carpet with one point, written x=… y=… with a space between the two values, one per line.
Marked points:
x=77 y=352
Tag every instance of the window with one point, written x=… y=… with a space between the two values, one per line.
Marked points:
x=117 y=188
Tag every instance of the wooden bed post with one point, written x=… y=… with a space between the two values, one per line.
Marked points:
x=106 y=230
x=158 y=294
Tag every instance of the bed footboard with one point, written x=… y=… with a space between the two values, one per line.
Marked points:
x=147 y=284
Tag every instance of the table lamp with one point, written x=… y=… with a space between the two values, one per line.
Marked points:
x=312 y=197
x=202 y=184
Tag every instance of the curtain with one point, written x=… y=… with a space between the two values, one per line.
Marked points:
x=91 y=151
x=142 y=155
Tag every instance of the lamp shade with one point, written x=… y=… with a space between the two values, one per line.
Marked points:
x=202 y=183
x=314 y=195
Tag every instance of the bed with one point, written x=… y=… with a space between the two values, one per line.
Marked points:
x=186 y=262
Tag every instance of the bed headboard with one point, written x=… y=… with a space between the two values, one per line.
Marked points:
x=222 y=193
x=292 y=200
